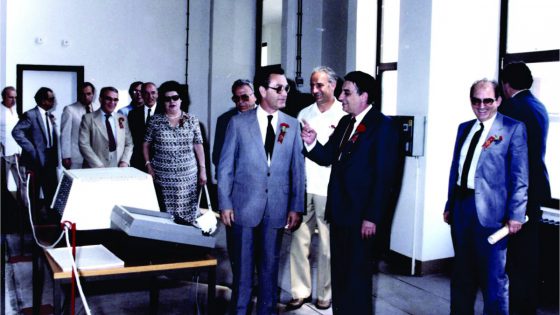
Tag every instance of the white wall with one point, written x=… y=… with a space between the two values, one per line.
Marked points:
x=117 y=43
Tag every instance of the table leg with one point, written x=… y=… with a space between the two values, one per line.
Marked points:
x=211 y=290
x=37 y=279
x=154 y=296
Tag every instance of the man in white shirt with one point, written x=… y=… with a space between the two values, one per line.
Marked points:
x=70 y=126
x=323 y=116
x=9 y=148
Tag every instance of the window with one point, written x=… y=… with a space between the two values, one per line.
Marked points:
x=541 y=54
x=387 y=54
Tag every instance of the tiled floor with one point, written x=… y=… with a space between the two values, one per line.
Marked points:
x=393 y=294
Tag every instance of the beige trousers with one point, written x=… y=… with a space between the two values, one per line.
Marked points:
x=300 y=267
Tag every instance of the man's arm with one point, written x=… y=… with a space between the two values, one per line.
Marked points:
x=128 y=145
x=19 y=132
x=226 y=168
x=66 y=137
x=518 y=175
x=84 y=142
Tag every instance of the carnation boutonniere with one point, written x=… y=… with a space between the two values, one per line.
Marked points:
x=495 y=138
x=360 y=129
x=283 y=128
x=121 y=122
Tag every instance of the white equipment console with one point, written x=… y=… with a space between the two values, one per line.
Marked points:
x=87 y=196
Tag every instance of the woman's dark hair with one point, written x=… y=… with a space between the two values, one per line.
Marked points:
x=169 y=86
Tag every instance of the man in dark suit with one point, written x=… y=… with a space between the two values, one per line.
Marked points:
x=36 y=134
x=487 y=189
x=523 y=248
x=363 y=153
x=138 y=121
x=261 y=184
x=243 y=95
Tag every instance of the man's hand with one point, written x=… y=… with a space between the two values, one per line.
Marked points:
x=227 y=217
x=294 y=219
x=67 y=163
x=308 y=135
x=514 y=226
x=446 y=217
x=123 y=164
x=368 y=229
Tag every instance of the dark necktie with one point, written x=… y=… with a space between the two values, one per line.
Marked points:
x=269 y=140
x=347 y=133
x=110 y=135
x=88 y=108
x=49 y=133
x=468 y=159
x=149 y=114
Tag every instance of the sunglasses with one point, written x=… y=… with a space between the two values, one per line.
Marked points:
x=171 y=98
x=110 y=99
x=477 y=101
x=244 y=98
x=279 y=88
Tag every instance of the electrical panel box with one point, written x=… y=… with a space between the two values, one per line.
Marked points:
x=412 y=133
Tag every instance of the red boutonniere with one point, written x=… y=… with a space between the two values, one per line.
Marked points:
x=283 y=128
x=360 y=129
x=333 y=126
x=121 y=122
x=495 y=138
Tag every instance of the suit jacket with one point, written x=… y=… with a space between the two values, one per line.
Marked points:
x=526 y=108
x=248 y=185
x=30 y=134
x=94 y=142
x=220 y=135
x=137 y=127
x=501 y=176
x=70 y=132
x=362 y=181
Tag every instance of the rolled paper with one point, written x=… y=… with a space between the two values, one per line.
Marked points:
x=501 y=233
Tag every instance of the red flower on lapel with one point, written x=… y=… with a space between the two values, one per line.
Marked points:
x=121 y=122
x=495 y=138
x=283 y=128
x=360 y=129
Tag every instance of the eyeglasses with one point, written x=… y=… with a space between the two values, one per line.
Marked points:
x=279 y=88
x=244 y=98
x=477 y=101
x=170 y=98
x=110 y=99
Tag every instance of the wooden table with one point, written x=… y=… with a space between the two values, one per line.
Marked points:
x=142 y=257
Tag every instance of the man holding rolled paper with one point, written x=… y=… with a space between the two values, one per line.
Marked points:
x=488 y=185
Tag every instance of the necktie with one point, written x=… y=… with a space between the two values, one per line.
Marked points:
x=468 y=159
x=149 y=114
x=88 y=108
x=110 y=135
x=49 y=133
x=269 y=140
x=347 y=132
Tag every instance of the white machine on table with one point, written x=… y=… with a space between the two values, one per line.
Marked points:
x=121 y=198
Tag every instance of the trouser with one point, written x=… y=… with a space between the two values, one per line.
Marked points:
x=300 y=267
x=477 y=263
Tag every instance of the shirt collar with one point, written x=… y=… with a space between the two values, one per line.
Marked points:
x=361 y=115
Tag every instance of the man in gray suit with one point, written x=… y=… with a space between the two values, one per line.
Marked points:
x=105 y=139
x=36 y=133
x=261 y=189
x=70 y=126
x=487 y=189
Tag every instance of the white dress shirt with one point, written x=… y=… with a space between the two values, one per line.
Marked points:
x=8 y=119
x=44 y=119
x=262 y=118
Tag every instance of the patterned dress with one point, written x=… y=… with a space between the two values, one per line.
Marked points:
x=174 y=163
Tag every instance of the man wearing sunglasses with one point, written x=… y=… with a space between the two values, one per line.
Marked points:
x=138 y=121
x=36 y=134
x=243 y=96
x=105 y=139
x=261 y=183
x=487 y=189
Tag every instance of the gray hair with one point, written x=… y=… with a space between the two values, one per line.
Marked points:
x=328 y=71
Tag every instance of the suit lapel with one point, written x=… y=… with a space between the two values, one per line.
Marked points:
x=40 y=123
x=256 y=130
x=97 y=121
x=495 y=129
x=279 y=147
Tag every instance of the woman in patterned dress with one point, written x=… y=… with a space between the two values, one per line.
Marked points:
x=174 y=155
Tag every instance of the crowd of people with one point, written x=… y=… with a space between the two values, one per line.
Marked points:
x=272 y=171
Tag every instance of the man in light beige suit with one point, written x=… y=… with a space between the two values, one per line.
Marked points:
x=105 y=139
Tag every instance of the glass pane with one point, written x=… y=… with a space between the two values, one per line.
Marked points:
x=366 y=33
x=533 y=25
x=272 y=32
x=546 y=77
x=390 y=31
x=389 y=93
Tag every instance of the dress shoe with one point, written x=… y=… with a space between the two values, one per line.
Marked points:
x=297 y=303
x=323 y=305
